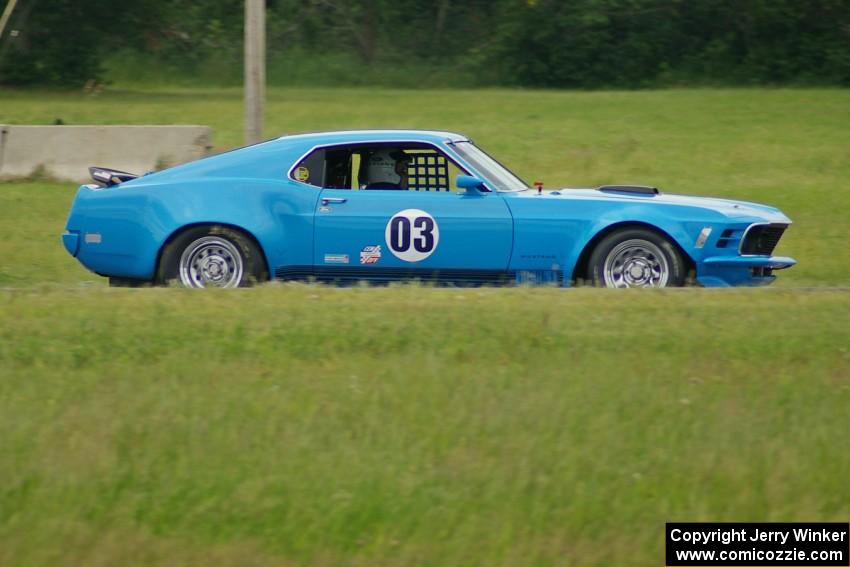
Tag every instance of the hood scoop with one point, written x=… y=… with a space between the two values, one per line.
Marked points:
x=630 y=190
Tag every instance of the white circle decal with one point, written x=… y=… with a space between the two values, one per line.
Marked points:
x=412 y=235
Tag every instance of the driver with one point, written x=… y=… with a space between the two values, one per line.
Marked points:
x=387 y=169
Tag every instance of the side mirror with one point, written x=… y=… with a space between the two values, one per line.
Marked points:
x=472 y=185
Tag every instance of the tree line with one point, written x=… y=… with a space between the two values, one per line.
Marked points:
x=534 y=43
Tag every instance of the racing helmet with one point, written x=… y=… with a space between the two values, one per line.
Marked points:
x=387 y=166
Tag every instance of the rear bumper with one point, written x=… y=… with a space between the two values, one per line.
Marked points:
x=71 y=242
x=109 y=233
x=726 y=271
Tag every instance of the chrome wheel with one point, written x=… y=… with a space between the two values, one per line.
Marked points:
x=211 y=261
x=636 y=263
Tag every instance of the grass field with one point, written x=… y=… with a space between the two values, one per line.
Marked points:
x=304 y=425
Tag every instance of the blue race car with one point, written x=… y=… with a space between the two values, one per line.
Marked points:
x=388 y=205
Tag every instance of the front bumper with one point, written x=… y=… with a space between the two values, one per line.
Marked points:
x=726 y=271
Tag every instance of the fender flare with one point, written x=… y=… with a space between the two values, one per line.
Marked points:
x=189 y=226
x=582 y=252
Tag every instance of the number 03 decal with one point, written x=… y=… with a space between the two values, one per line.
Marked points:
x=412 y=235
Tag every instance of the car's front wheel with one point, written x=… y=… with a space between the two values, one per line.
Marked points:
x=636 y=257
x=211 y=256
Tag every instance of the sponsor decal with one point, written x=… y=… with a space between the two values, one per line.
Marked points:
x=412 y=235
x=336 y=258
x=93 y=238
x=370 y=254
x=302 y=174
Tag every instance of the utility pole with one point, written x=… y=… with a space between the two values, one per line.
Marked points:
x=7 y=13
x=255 y=69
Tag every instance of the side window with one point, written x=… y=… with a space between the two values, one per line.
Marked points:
x=338 y=169
x=420 y=168
x=399 y=167
x=327 y=168
x=311 y=169
x=428 y=171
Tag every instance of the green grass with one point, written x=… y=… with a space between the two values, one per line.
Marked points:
x=412 y=426
x=294 y=68
x=32 y=218
x=304 y=425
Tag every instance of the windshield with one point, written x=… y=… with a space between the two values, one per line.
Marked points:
x=495 y=174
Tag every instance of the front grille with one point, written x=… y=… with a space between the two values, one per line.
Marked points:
x=730 y=238
x=761 y=239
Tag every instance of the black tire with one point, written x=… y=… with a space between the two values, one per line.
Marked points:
x=636 y=257
x=233 y=244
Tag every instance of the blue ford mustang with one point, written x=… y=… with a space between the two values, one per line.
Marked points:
x=386 y=205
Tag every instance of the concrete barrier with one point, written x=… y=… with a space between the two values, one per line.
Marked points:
x=66 y=152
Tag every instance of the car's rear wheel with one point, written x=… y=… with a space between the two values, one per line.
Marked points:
x=636 y=257
x=212 y=256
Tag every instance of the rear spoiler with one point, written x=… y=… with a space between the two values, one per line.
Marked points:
x=108 y=177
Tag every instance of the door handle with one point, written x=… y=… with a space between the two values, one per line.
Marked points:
x=334 y=200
